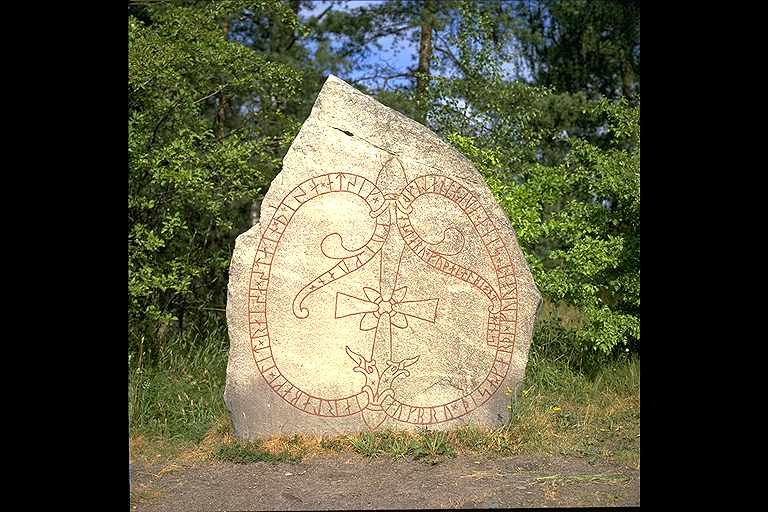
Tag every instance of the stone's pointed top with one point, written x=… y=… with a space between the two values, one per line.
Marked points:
x=360 y=116
x=333 y=79
x=334 y=86
x=377 y=239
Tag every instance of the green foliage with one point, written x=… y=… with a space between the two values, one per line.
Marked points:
x=198 y=155
x=563 y=410
x=348 y=39
x=578 y=221
x=368 y=443
x=581 y=45
x=567 y=171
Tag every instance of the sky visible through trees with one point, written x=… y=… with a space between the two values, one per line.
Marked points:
x=399 y=54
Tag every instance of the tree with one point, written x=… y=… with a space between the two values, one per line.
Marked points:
x=581 y=45
x=197 y=155
x=346 y=40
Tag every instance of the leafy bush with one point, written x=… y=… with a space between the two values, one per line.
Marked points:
x=577 y=216
x=195 y=165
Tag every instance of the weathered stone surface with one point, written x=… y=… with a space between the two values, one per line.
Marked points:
x=383 y=287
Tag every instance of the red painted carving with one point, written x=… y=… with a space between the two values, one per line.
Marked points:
x=390 y=201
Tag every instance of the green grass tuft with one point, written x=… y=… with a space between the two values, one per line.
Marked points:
x=177 y=394
x=432 y=445
x=244 y=452
x=427 y=445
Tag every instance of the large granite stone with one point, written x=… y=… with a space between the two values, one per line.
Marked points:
x=383 y=287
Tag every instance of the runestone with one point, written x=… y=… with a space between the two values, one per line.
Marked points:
x=383 y=288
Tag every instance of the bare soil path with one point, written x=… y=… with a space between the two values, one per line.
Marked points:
x=351 y=482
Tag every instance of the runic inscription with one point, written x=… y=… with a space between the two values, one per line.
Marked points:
x=385 y=310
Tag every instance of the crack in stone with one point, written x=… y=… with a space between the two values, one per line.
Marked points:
x=444 y=381
x=350 y=134
x=346 y=132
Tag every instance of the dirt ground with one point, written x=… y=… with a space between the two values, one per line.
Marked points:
x=351 y=482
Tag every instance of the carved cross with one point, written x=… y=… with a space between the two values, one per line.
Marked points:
x=381 y=314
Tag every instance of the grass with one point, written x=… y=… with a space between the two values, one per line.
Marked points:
x=562 y=411
x=424 y=445
x=565 y=407
x=175 y=398
x=247 y=452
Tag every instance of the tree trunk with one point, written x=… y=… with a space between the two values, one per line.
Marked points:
x=221 y=111
x=627 y=77
x=292 y=36
x=221 y=114
x=425 y=57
